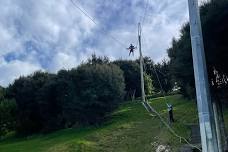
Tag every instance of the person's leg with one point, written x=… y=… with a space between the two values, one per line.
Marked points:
x=171 y=116
x=170 y=119
x=130 y=52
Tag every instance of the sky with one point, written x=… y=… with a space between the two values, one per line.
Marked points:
x=50 y=35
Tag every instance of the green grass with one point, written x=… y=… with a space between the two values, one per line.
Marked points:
x=131 y=129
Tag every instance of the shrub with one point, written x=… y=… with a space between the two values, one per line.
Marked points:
x=7 y=116
x=83 y=96
x=100 y=88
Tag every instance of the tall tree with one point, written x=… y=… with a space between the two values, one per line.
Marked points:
x=100 y=89
x=132 y=77
x=7 y=116
x=159 y=74
x=24 y=91
x=214 y=18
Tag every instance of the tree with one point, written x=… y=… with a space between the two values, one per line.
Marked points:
x=131 y=76
x=181 y=66
x=162 y=78
x=82 y=96
x=98 y=60
x=149 y=89
x=2 y=93
x=159 y=74
x=58 y=102
x=24 y=91
x=214 y=18
x=7 y=116
x=100 y=88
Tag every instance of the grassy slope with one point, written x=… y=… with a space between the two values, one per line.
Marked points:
x=132 y=129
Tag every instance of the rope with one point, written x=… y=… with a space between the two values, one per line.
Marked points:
x=169 y=128
x=152 y=110
x=81 y=9
x=161 y=118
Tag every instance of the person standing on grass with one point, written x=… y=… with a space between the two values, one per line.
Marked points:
x=170 y=110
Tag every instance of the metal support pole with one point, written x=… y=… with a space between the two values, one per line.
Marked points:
x=206 y=117
x=141 y=63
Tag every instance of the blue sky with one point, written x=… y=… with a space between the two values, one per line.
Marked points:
x=52 y=34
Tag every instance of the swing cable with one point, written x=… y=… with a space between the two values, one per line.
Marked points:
x=82 y=10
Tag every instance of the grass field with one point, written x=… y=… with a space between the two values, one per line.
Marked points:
x=131 y=129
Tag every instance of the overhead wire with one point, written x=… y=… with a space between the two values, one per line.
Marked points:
x=145 y=13
x=142 y=19
x=83 y=10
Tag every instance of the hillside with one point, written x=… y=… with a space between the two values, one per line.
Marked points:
x=131 y=129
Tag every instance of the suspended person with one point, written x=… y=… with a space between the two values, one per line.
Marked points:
x=170 y=110
x=131 y=49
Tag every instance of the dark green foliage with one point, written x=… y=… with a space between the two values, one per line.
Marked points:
x=2 y=93
x=215 y=30
x=67 y=97
x=159 y=72
x=82 y=96
x=7 y=116
x=98 y=60
x=162 y=77
x=100 y=88
x=181 y=65
x=132 y=77
x=25 y=91
x=214 y=18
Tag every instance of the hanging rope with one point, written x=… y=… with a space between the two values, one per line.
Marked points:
x=151 y=110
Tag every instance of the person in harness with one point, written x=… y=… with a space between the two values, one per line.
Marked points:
x=131 y=49
x=170 y=110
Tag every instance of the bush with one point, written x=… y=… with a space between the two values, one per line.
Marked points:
x=25 y=91
x=131 y=71
x=7 y=116
x=83 y=96
x=100 y=88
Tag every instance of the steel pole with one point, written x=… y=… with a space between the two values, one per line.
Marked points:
x=204 y=104
x=141 y=63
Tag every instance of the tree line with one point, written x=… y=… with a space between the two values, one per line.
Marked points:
x=43 y=102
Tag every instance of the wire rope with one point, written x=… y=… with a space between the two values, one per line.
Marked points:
x=81 y=9
x=157 y=113
x=165 y=123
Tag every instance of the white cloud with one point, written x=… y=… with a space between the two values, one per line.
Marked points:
x=162 y=22
x=53 y=34
x=14 y=69
x=48 y=27
x=63 y=61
